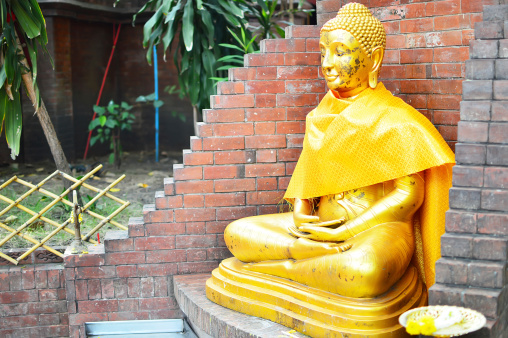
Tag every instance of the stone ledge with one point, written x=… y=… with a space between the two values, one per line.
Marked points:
x=211 y=320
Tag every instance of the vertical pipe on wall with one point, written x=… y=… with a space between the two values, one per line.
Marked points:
x=156 y=81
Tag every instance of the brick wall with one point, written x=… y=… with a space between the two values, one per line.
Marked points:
x=33 y=301
x=240 y=163
x=473 y=269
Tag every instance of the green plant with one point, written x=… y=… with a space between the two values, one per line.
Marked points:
x=110 y=122
x=22 y=24
x=150 y=98
x=199 y=27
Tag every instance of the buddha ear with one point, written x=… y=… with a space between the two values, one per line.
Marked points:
x=377 y=59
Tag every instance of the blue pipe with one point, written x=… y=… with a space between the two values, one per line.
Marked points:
x=156 y=80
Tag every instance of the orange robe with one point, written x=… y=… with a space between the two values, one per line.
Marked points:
x=373 y=138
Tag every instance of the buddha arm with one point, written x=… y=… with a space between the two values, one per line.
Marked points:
x=302 y=211
x=398 y=206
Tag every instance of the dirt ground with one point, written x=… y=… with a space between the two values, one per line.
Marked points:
x=143 y=177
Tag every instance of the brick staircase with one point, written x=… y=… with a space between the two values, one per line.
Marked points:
x=239 y=165
x=473 y=269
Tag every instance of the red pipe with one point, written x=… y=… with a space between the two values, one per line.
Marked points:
x=103 y=82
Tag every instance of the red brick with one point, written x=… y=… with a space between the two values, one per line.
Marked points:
x=261 y=170
x=416 y=86
x=290 y=127
x=196 y=267
x=291 y=154
x=467 y=176
x=232 y=101
x=446 y=70
x=305 y=86
x=496 y=200
x=265 y=128
x=416 y=55
x=282 y=45
x=166 y=256
x=444 y=102
x=297 y=113
x=223 y=143
x=162 y=269
x=266 y=114
x=49 y=319
x=218 y=172
x=242 y=73
x=46 y=295
x=271 y=209
x=266 y=183
x=447 y=86
x=265 y=141
x=285 y=100
x=168 y=202
x=446 y=7
x=157 y=216
x=127 y=305
x=225 y=199
x=447 y=38
x=193 y=201
x=460 y=221
x=312 y=45
x=19 y=297
x=391 y=56
x=265 y=87
x=418 y=101
x=446 y=117
x=233 y=213
x=126 y=270
x=449 y=133
x=234 y=157
x=290 y=167
x=98 y=306
x=154 y=243
x=41 y=279
x=264 y=59
x=223 y=115
x=396 y=41
x=94 y=272
x=266 y=73
x=197 y=241
x=229 y=87
x=165 y=229
x=232 y=129
x=230 y=185
x=181 y=173
x=195 y=215
x=204 y=130
x=303 y=31
x=303 y=59
x=266 y=156
x=216 y=227
x=125 y=257
x=169 y=186
x=195 y=228
x=19 y=321
x=196 y=255
x=392 y=72
x=451 y=54
x=156 y=303
x=415 y=10
x=108 y=290
x=265 y=100
x=298 y=72
x=193 y=187
x=416 y=25
x=217 y=253
x=190 y=158
x=294 y=140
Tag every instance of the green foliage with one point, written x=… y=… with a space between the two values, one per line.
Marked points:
x=150 y=98
x=21 y=21
x=199 y=27
x=110 y=121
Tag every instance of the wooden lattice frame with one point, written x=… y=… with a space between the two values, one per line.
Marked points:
x=57 y=198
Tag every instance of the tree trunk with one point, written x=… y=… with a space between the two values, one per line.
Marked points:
x=195 y=118
x=47 y=126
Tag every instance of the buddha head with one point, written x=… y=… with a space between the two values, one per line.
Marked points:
x=352 y=48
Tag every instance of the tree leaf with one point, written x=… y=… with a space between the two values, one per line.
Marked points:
x=3 y=107
x=29 y=26
x=188 y=25
x=3 y=76
x=93 y=124
x=99 y=110
x=158 y=103
x=13 y=124
x=102 y=120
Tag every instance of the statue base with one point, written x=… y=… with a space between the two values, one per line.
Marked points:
x=311 y=311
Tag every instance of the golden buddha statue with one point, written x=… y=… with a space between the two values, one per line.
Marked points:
x=369 y=194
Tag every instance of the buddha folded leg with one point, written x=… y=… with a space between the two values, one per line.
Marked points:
x=267 y=237
x=377 y=259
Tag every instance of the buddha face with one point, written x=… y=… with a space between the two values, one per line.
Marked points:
x=344 y=64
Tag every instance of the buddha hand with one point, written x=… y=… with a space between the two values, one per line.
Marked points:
x=302 y=212
x=321 y=231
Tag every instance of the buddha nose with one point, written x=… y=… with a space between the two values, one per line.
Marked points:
x=326 y=63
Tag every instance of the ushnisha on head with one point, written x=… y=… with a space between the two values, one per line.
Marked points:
x=352 y=48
